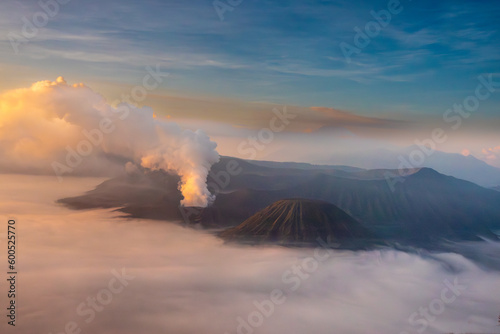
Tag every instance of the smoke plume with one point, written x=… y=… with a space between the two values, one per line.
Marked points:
x=53 y=127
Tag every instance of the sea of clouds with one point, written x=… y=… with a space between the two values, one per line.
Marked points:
x=153 y=277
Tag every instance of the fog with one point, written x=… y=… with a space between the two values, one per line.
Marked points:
x=189 y=281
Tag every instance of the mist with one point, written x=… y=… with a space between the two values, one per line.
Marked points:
x=182 y=280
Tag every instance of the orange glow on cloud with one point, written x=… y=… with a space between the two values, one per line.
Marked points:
x=41 y=124
x=492 y=155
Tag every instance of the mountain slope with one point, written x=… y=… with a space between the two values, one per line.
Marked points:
x=298 y=221
x=426 y=206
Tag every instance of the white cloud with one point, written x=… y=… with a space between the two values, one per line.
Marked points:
x=189 y=281
x=56 y=128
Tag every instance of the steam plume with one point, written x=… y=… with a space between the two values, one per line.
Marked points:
x=53 y=127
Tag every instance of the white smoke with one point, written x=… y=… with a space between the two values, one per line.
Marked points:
x=53 y=127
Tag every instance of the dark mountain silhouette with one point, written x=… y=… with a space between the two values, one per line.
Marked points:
x=300 y=221
x=304 y=165
x=421 y=207
x=463 y=167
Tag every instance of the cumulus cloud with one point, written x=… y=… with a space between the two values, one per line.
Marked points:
x=54 y=127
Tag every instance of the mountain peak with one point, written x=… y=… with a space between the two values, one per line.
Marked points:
x=297 y=220
x=428 y=172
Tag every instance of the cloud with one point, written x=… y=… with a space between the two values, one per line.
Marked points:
x=189 y=281
x=491 y=155
x=340 y=118
x=53 y=127
x=246 y=115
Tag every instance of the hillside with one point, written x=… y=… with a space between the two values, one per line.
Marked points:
x=297 y=221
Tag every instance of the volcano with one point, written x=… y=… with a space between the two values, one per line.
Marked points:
x=299 y=221
x=421 y=209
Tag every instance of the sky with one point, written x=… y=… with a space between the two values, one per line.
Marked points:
x=265 y=80
x=229 y=65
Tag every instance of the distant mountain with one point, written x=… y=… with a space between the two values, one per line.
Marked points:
x=467 y=168
x=496 y=188
x=421 y=207
x=299 y=221
x=303 y=165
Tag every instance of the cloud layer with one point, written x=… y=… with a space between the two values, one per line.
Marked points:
x=189 y=282
x=53 y=127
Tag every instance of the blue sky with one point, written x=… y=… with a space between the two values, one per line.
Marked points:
x=285 y=52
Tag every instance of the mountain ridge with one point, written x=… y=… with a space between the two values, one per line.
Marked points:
x=463 y=167
x=423 y=206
